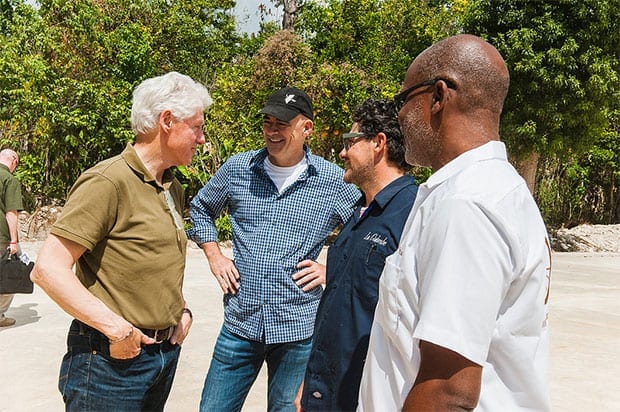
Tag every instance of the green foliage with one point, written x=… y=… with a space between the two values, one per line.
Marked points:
x=563 y=100
x=568 y=195
x=336 y=90
x=68 y=69
x=224 y=228
x=378 y=36
x=192 y=178
x=242 y=87
x=585 y=188
x=563 y=64
x=421 y=174
x=6 y=15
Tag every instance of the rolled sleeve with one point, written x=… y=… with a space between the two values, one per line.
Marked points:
x=207 y=206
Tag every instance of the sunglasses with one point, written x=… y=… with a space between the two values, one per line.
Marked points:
x=401 y=98
x=349 y=139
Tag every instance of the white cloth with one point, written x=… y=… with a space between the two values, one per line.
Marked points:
x=471 y=274
x=283 y=177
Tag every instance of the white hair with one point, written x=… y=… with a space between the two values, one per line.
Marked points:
x=172 y=91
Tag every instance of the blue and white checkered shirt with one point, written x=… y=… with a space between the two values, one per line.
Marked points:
x=272 y=232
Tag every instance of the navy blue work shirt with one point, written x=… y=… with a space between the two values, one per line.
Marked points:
x=342 y=328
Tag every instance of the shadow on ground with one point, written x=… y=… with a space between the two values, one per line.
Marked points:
x=23 y=314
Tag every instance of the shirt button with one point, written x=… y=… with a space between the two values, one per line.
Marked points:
x=317 y=394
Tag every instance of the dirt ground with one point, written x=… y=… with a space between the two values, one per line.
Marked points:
x=583 y=238
x=584 y=321
x=587 y=238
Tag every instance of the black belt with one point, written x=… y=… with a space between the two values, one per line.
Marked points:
x=159 y=335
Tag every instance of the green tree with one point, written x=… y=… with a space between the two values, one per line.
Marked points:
x=563 y=62
x=25 y=86
x=69 y=68
x=6 y=15
x=378 y=36
x=563 y=102
x=364 y=47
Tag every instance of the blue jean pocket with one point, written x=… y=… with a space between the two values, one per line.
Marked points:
x=91 y=380
x=63 y=379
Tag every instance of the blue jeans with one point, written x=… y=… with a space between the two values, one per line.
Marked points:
x=236 y=363
x=90 y=380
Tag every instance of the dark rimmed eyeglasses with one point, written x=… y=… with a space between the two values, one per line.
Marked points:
x=401 y=98
x=349 y=139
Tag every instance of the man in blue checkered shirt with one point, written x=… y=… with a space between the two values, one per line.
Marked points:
x=283 y=202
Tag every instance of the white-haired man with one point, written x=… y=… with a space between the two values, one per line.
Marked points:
x=122 y=225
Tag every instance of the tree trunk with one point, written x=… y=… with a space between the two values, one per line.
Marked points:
x=527 y=168
x=290 y=13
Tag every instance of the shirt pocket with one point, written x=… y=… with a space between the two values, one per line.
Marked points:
x=366 y=281
x=396 y=308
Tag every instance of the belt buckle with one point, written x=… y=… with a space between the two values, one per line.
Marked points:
x=162 y=335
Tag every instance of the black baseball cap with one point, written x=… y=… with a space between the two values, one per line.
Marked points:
x=287 y=103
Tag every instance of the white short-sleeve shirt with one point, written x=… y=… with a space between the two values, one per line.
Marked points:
x=471 y=274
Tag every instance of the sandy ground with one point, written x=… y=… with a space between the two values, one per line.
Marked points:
x=584 y=319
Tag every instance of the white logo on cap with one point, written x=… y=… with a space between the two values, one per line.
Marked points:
x=290 y=98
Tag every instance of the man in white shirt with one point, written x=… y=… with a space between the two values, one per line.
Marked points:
x=461 y=321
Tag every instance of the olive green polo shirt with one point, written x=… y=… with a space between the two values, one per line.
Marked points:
x=135 y=240
x=10 y=199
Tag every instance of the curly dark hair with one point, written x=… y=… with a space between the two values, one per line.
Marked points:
x=374 y=116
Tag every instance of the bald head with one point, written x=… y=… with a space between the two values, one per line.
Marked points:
x=476 y=67
x=9 y=158
x=452 y=99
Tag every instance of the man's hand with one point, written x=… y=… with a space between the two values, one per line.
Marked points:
x=14 y=248
x=223 y=268
x=311 y=275
x=131 y=346
x=297 y=402
x=225 y=273
x=182 y=329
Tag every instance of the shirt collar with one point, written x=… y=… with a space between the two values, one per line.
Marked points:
x=133 y=161
x=490 y=150
x=384 y=196
x=387 y=193
x=2 y=165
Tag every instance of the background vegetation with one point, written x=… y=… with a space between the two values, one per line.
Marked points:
x=68 y=68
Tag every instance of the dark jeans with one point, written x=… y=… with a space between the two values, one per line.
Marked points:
x=90 y=380
x=236 y=363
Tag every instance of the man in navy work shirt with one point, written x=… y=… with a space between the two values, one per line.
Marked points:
x=374 y=155
x=283 y=202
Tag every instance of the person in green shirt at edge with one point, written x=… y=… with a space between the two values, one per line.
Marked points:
x=10 y=205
